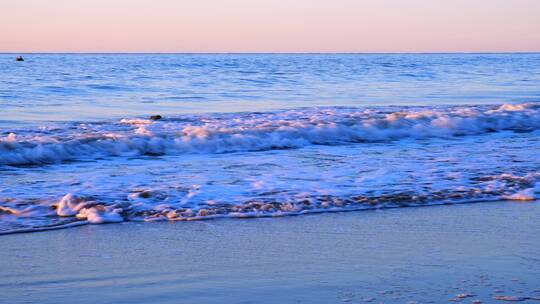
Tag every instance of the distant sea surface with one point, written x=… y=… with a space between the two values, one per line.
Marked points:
x=250 y=135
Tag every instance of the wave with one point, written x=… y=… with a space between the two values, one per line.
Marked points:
x=72 y=210
x=245 y=132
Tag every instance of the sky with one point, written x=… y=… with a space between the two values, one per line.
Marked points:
x=269 y=25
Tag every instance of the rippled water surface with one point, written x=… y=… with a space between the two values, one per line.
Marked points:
x=261 y=135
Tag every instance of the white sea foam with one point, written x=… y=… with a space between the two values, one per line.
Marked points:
x=136 y=121
x=96 y=215
x=68 y=206
x=528 y=194
x=219 y=133
x=151 y=205
x=280 y=163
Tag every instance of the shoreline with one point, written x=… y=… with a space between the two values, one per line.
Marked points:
x=456 y=252
x=247 y=216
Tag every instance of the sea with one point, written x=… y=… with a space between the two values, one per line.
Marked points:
x=109 y=138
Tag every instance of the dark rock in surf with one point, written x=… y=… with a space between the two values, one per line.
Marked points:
x=20 y=58
x=156 y=117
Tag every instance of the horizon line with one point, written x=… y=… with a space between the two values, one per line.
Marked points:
x=276 y=53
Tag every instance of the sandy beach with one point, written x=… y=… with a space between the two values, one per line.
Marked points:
x=484 y=252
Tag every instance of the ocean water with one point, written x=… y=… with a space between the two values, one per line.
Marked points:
x=261 y=134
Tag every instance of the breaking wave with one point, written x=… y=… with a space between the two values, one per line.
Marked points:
x=244 y=132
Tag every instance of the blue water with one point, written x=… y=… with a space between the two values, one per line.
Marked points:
x=261 y=134
x=96 y=87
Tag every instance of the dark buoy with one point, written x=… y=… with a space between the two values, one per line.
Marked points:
x=156 y=117
x=19 y=58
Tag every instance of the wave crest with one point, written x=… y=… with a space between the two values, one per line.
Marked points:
x=222 y=133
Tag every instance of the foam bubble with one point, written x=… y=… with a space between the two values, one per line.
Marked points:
x=136 y=121
x=69 y=205
x=101 y=215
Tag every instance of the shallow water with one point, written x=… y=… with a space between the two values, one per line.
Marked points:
x=425 y=255
x=261 y=135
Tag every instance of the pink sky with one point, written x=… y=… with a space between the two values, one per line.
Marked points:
x=269 y=25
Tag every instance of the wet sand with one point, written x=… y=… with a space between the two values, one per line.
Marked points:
x=466 y=253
